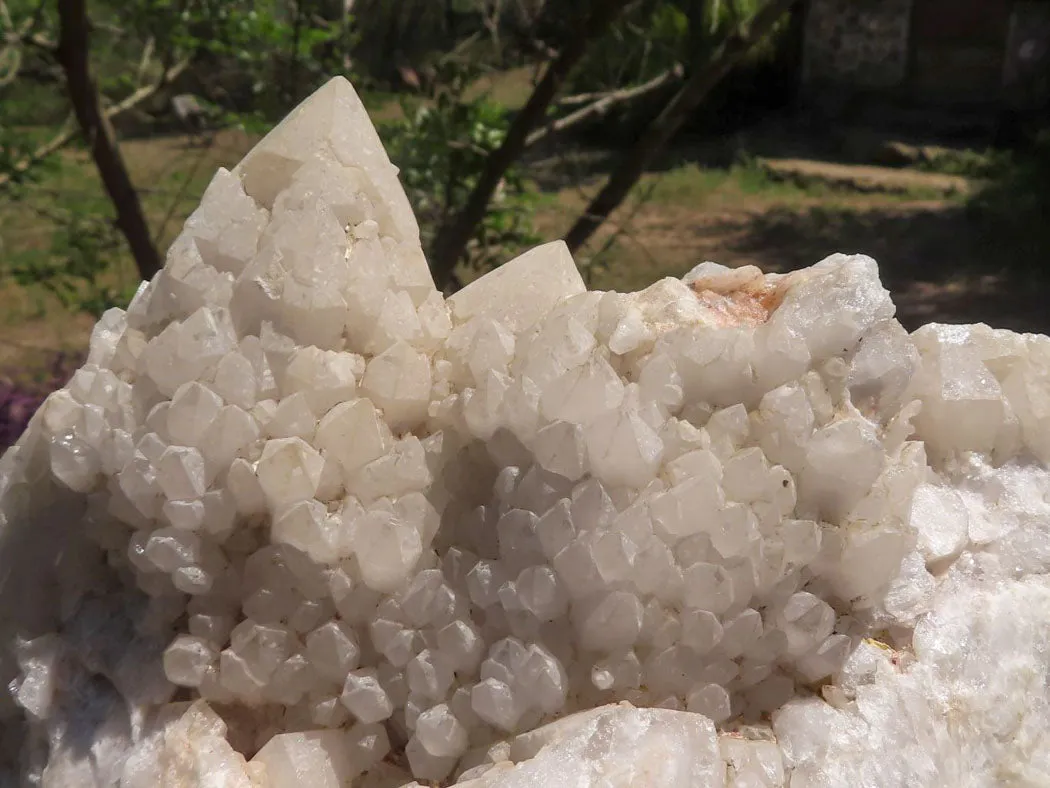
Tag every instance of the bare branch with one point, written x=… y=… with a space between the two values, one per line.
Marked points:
x=28 y=23
x=73 y=55
x=452 y=238
x=672 y=117
x=41 y=42
x=604 y=103
x=147 y=55
x=5 y=16
x=108 y=27
x=491 y=14
x=69 y=132
x=10 y=64
x=582 y=98
x=14 y=41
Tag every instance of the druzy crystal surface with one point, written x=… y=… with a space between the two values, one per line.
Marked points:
x=301 y=520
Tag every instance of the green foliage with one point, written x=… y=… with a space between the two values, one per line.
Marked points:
x=24 y=69
x=77 y=268
x=649 y=39
x=1011 y=209
x=654 y=35
x=967 y=163
x=256 y=57
x=252 y=60
x=441 y=148
x=395 y=33
x=249 y=61
x=15 y=144
x=277 y=51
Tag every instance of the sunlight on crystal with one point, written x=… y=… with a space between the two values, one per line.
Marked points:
x=302 y=521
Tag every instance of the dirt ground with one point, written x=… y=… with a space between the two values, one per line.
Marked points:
x=933 y=255
x=928 y=253
x=931 y=252
x=931 y=258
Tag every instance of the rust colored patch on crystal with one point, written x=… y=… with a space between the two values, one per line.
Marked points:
x=742 y=297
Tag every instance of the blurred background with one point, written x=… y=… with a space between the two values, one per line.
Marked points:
x=651 y=135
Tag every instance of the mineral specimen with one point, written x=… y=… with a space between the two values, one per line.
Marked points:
x=302 y=521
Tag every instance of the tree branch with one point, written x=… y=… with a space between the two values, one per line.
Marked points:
x=147 y=54
x=604 y=103
x=73 y=56
x=452 y=238
x=582 y=98
x=12 y=56
x=670 y=120
x=69 y=133
x=14 y=42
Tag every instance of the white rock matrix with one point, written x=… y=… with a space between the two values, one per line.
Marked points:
x=302 y=521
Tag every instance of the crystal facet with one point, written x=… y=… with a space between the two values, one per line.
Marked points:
x=734 y=529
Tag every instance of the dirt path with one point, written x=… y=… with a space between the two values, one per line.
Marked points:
x=866 y=178
x=932 y=256
x=932 y=253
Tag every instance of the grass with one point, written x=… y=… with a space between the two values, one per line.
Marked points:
x=747 y=181
x=968 y=163
x=694 y=185
x=676 y=218
x=171 y=176
x=509 y=89
x=681 y=216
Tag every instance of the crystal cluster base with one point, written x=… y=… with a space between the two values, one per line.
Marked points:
x=300 y=520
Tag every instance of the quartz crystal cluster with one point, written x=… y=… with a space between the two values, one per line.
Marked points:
x=300 y=520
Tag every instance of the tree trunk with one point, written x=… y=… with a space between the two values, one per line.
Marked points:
x=670 y=120
x=67 y=135
x=452 y=238
x=73 y=56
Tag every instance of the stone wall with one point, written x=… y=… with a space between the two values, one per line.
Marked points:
x=861 y=43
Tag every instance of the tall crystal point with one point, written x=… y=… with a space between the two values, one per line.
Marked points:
x=302 y=521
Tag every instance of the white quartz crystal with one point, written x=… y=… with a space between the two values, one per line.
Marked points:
x=325 y=758
x=302 y=521
x=613 y=746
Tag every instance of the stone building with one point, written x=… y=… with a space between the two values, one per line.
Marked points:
x=985 y=53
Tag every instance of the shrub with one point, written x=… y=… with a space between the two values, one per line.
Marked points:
x=1011 y=209
x=441 y=148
